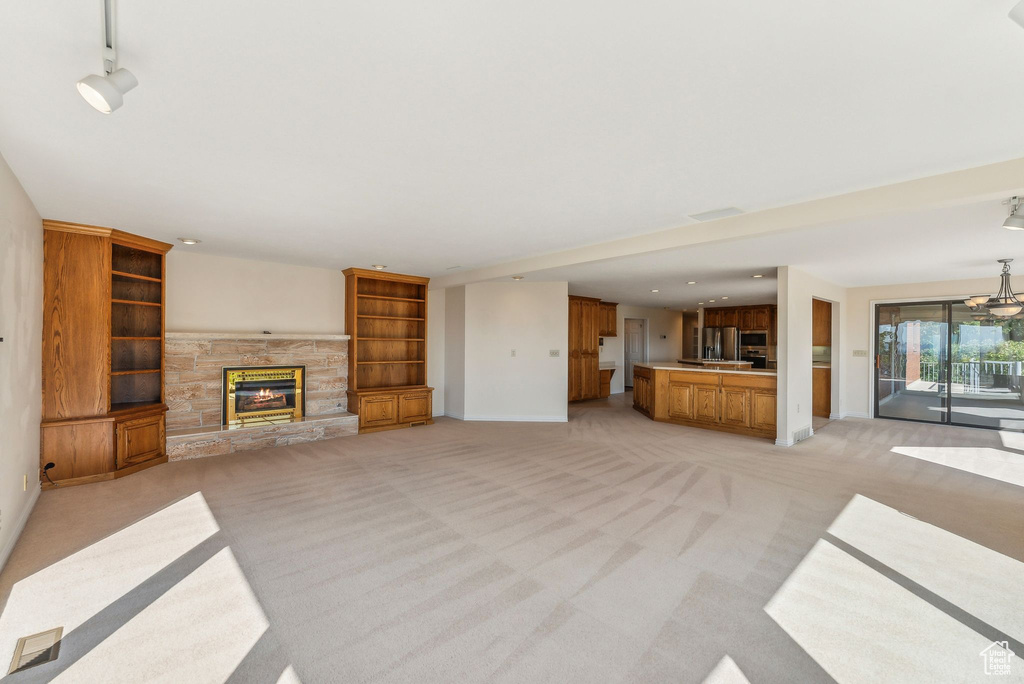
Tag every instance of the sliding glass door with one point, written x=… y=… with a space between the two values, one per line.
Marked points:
x=941 y=362
x=988 y=355
x=911 y=368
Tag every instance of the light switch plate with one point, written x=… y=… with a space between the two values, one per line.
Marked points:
x=553 y=353
x=860 y=353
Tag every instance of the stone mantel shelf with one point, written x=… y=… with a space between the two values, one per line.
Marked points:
x=251 y=336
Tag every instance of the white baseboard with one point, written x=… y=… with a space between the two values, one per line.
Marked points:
x=518 y=419
x=19 y=525
x=856 y=414
x=784 y=442
x=456 y=416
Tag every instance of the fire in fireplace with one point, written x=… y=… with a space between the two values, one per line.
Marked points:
x=266 y=394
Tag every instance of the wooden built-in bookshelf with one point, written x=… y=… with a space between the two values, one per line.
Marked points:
x=386 y=318
x=103 y=352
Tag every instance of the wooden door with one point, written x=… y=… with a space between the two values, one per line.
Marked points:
x=680 y=400
x=763 y=409
x=747 y=319
x=140 y=440
x=705 y=403
x=575 y=348
x=735 y=407
x=590 y=371
x=636 y=345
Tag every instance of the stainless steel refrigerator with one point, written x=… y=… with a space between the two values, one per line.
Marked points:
x=721 y=344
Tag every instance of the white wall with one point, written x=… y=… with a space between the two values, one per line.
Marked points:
x=795 y=381
x=435 y=347
x=455 y=352
x=860 y=322
x=484 y=323
x=660 y=322
x=207 y=293
x=21 y=326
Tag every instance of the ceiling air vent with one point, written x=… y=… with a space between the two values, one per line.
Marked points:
x=36 y=650
x=716 y=214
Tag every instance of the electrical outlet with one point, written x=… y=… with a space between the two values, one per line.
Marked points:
x=513 y=353
x=553 y=353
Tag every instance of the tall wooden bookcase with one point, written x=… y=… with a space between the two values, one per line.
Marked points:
x=386 y=318
x=103 y=351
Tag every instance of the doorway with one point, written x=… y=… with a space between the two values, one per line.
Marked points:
x=636 y=346
x=941 y=362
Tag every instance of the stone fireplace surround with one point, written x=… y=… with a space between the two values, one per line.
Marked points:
x=193 y=363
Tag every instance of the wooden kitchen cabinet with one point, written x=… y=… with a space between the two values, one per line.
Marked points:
x=821 y=323
x=743 y=317
x=608 y=319
x=584 y=348
x=139 y=440
x=821 y=392
x=761 y=318
x=712 y=318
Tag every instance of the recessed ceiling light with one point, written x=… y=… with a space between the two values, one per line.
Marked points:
x=757 y=276
x=189 y=241
x=517 y=277
x=691 y=282
x=700 y=303
x=655 y=290
x=712 y=301
x=724 y=297
x=379 y=267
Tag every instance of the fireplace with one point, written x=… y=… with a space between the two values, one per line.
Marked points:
x=263 y=394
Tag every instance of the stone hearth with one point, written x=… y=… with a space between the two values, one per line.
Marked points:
x=192 y=374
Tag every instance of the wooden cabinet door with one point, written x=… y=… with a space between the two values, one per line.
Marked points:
x=575 y=348
x=760 y=318
x=710 y=318
x=773 y=325
x=705 y=403
x=762 y=413
x=821 y=323
x=591 y=326
x=747 y=319
x=680 y=400
x=413 y=408
x=730 y=318
x=643 y=391
x=378 y=409
x=140 y=439
x=591 y=372
x=821 y=388
x=735 y=407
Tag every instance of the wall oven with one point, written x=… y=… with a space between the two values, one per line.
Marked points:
x=754 y=338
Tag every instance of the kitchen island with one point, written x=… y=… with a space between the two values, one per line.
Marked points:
x=733 y=400
x=716 y=363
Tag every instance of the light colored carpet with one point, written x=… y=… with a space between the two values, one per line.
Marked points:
x=608 y=549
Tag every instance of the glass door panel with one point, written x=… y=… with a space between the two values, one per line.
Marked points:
x=912 y=362
x=987 y=360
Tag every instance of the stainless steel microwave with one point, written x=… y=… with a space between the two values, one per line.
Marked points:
x=754 y=338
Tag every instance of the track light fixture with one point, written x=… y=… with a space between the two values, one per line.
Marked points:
x=1015 y=221
x=106 y=93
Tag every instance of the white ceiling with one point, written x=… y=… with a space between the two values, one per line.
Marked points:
x=430 y=135
x=950 y=243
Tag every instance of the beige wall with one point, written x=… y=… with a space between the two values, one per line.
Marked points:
x=207 y=293
x=435 y=347
x=795 y=383
x=21 y=325
x=860 y=319
x=484 y=322
x=660 y=322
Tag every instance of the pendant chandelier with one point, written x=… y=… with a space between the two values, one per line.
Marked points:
x=1004 y=304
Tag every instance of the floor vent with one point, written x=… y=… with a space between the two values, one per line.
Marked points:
x=802 y=434
x=36 y=650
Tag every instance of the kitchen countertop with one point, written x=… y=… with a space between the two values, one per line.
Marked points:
x=668 y=365
x=821 y=364
x=712 y=361
x=608 y=365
